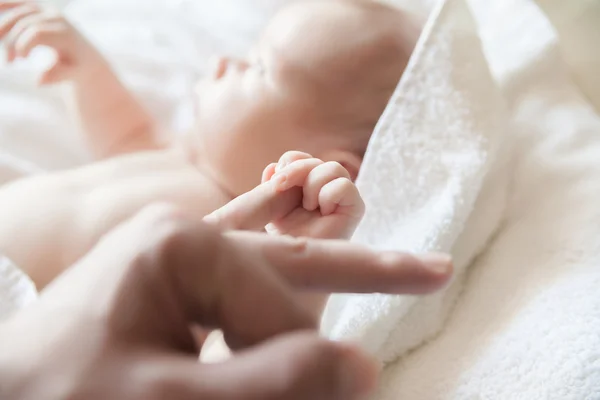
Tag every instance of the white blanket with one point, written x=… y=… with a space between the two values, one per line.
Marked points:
x=522 y=319
x=434 y=179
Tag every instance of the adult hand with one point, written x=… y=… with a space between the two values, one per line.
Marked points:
x=116 y=325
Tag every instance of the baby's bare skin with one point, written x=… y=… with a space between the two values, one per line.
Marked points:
x=68 y=212
x=296 y=92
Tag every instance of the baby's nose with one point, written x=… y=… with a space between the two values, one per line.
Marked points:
x=222 y=64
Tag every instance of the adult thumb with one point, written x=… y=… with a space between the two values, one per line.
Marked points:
x=298 y=366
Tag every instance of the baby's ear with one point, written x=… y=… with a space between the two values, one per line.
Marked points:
x=348 y=159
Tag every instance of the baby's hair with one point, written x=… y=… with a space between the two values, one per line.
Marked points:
x=370 y=78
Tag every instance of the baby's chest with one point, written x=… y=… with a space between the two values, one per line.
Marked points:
x=117 y=199
x=56 y=219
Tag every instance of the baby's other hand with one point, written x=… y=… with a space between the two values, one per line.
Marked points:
x=331 y=206
x=25 y=25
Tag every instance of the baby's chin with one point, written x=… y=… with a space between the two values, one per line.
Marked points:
x=191 y=142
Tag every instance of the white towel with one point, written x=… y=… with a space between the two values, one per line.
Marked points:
x=526 y=324
x=423 y=179
x=16 y=289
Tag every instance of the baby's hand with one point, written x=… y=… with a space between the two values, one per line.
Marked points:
x=25 y=25
x=304 y=196
x=300 y=196
x=331 y=206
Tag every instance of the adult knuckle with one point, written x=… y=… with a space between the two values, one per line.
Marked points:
x=315 y=374
x=168 y=236
x=172 y=235
x=150 y=381
x=163 y=226
x=297 y=246
x=322 y=351
x=154 y=250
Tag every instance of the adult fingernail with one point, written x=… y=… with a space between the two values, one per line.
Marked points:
x=357 y=374
x=437 y=262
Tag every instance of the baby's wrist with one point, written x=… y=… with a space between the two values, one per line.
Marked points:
x=93 y=69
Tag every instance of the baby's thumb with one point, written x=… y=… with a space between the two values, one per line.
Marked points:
x=54 y=74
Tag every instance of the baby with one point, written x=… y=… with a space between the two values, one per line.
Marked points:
x=317 y=82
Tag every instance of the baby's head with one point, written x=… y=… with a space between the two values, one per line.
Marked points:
x=317 y=81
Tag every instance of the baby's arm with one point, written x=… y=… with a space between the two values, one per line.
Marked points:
x=112 y=120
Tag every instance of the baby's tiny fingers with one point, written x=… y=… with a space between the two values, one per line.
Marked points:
x=10 y=4
x=23 y=25
x=341 y=196
x=295 y=174
x=290 y=157
x=319 y=177
x=12 y=17
x=38 y=35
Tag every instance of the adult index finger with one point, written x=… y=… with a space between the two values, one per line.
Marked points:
x=342 y=266
x=255 y=209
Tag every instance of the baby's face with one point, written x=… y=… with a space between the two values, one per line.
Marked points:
x=291 y=93
x=246 y=117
